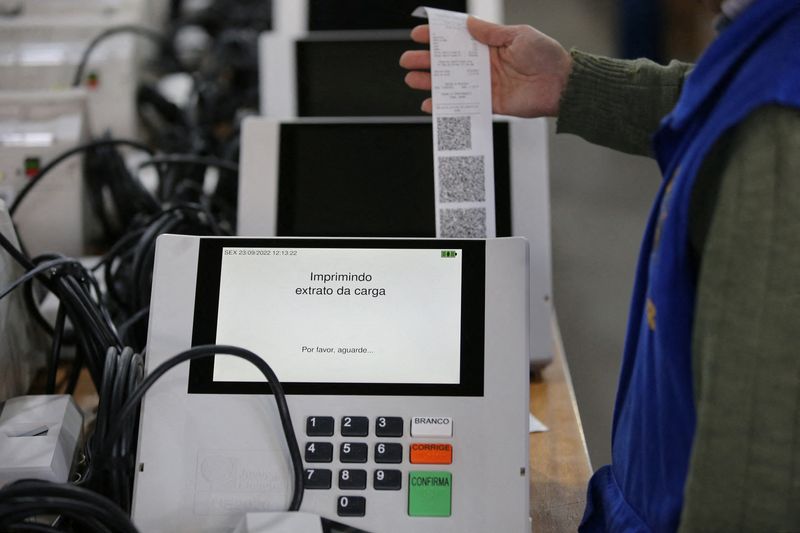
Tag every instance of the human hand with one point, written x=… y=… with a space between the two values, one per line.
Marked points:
x=529 y=69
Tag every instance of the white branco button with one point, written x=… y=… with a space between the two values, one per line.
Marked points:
x=431 y=426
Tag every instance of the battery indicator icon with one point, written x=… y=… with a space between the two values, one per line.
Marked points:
x=449 y=253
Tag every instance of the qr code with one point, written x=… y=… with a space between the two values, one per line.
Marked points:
x=454 y=133
x=461 y=179
x=462 y=223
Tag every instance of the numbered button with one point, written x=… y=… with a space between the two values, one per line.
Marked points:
x=319 y=452
x=351 y=506
x=353 y=452
x=317 y=478
x=352 y=479
x=388 y=452
x=355 y=426
x=387 y=480
x=389 y=426
x=319 y=426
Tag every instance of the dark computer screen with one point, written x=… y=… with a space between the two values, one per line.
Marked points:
x=369 y=180
x=347 y=77
x=371 y=14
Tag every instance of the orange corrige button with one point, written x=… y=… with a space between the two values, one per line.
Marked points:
x=431 y=454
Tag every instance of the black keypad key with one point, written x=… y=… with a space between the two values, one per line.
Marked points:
x=355 y=426
x=387 y=480
x=319 y=426
x=388 y=452
x=389 y=426
x=319 y=452
x=317 y=478
x=353 y=452
x=350 y=479
x=351 y=506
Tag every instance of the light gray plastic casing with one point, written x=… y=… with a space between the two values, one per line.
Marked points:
x=205 y=460
x=38 y=438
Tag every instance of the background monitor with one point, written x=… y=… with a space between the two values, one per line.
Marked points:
x=374 y=178
x=369 y=14
x=349 y=69
x=296 y=17
x=336 y=74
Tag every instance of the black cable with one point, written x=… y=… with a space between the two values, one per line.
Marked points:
x=78 y=149
x=222 y=164
x=15 y=253
x=72 y=284
x=55 y=353
x=125 y=28
x=131 y=322
x=132 y=404
x=36 y=271
x=33 y=309
x=75 y=372
x=92 y=513
x=30 y=527
x=115 y=195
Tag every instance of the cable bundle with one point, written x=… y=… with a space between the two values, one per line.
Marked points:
x=79 y=299
x=69 y=508
x=109 y=326
x=110 y=463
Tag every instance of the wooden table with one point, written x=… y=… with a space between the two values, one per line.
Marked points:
x=560 y=467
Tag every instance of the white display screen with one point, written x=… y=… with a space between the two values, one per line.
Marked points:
x=341 y=315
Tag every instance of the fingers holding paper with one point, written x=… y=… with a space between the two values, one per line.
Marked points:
x=529 y=70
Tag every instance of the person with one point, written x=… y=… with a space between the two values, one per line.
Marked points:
x=706 y=433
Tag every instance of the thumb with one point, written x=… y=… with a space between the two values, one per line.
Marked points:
x=489 y=33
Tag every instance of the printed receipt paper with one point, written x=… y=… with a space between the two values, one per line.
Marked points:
x=463 y=150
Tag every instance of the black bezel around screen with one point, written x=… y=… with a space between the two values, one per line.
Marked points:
x=473 y=273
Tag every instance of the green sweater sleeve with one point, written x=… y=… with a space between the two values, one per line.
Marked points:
x=619 y=103
x=745 y=467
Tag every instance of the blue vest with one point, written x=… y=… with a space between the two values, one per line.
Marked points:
x=753 y=63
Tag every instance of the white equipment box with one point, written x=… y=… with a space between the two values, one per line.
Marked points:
x=405 y=363
x=22 y=343
x=39 y=437
x=35 y=127
x=41 y=53
x=373 y=177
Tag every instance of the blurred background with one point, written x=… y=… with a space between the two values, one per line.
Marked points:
x=600 y=199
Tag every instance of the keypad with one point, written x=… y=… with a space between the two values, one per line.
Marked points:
x=319 y=426
x=352 y=479
x=355 y=426
x=388 y=452
x=353 y=452
x=351 y=506
x=317 y=478
x=319 y=452
x=389 y=426
x=387 y=480
x=429 y=492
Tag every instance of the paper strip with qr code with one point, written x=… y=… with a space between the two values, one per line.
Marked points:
x=463 y=153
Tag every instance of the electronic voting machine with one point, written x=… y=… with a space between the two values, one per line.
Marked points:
x=405 y=366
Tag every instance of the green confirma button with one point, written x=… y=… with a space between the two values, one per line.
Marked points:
x=429 y=493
